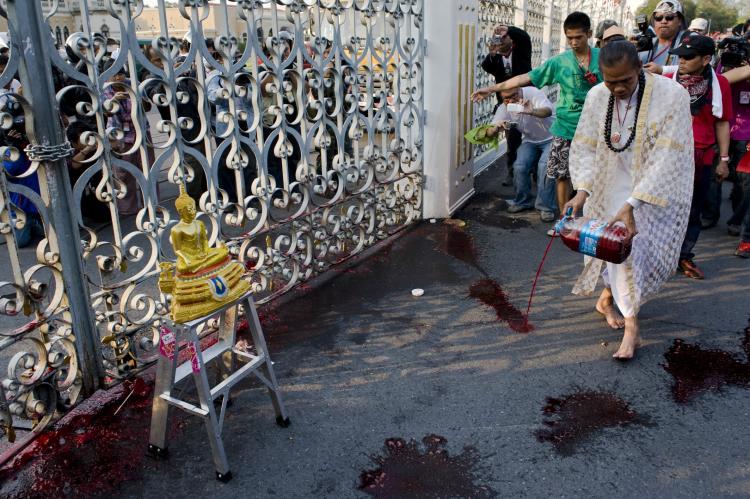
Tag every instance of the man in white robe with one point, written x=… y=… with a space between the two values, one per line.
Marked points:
x=644 y=181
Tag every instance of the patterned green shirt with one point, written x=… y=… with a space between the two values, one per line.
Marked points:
x=564 y=70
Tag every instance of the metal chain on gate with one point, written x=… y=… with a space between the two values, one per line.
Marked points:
x=38 y=152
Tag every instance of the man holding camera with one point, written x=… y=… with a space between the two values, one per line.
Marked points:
x=736 y=59
x=509 y=55
x=529 y=112
x=669 y=23
x=735 y=53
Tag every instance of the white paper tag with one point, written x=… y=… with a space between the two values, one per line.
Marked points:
x=744 y=97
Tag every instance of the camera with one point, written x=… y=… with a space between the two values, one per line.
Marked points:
x=734 y=51
x=644 y=39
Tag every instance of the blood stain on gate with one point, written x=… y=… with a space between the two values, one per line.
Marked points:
x=696 y=370
x=404 y=470
x=491 y=294
x=576 y=418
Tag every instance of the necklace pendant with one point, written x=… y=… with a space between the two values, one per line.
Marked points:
x=616 y=138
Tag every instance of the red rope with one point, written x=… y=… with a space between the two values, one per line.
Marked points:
x=538 y=273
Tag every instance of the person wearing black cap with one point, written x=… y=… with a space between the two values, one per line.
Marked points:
x=711 y=107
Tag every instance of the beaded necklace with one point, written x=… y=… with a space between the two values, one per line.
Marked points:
x=609 y=137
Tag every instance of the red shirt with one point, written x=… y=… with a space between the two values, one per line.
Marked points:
x=704 y=123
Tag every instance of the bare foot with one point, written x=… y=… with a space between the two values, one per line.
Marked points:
x=605 y=305
x=631 y=340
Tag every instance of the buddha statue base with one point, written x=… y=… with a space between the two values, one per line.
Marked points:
x=197 y=295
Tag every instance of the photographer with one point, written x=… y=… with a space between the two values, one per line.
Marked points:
x=735 y=54
x=509 y=55
x=643 y=36
x=669 y=23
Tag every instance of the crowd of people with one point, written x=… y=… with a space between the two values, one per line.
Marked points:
x=647 y=128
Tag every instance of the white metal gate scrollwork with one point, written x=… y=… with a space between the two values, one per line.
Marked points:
x=297 y=124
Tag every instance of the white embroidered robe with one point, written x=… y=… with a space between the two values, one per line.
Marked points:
x=662 y=177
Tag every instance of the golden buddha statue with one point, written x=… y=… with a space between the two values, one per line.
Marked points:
x=203 y=278
x=190 y=240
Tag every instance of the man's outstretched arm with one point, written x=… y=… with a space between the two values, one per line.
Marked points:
x=515 y=82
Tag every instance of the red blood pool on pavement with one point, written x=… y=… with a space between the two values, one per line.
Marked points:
x=490 y=293
x=577 y=417
x=696 y=370
x=459 y=244
x=404 y=470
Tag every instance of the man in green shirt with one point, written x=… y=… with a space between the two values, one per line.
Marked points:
x=576 y=71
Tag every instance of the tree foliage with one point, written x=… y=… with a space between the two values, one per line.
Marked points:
x=720 y=13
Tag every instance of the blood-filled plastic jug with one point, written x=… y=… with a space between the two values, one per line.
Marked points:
x=608 y=242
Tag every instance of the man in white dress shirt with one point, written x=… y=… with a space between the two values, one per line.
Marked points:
x=529 y=111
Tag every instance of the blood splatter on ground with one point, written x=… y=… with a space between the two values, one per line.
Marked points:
x=404 y=470
x=93 y=451
x=696 y=370
x=491 y=294
x=577 y=417
x=459 y=244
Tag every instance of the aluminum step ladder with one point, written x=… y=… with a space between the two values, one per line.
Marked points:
x=169 y=373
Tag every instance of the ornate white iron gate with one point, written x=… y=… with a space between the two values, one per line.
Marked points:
x=298 y=124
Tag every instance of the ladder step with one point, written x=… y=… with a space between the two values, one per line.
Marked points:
x=184 y=405
x=186 y=369
x=236 y=376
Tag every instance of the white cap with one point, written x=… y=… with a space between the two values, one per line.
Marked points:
x=698 y=24
x=669 y=7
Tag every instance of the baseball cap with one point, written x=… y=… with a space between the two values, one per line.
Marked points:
x=604 y=26
x=699 y=23
x=613 y=31
x=669 y=7
x=693 y=44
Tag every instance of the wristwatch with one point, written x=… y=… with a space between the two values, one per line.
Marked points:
x=724 y=158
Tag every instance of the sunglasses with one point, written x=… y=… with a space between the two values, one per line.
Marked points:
x=688 y=57
x=668 y=18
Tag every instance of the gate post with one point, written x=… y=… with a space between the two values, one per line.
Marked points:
x=450 y=36
x=50 y=146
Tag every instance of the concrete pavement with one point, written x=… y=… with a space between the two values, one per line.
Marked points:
x=367 y=368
